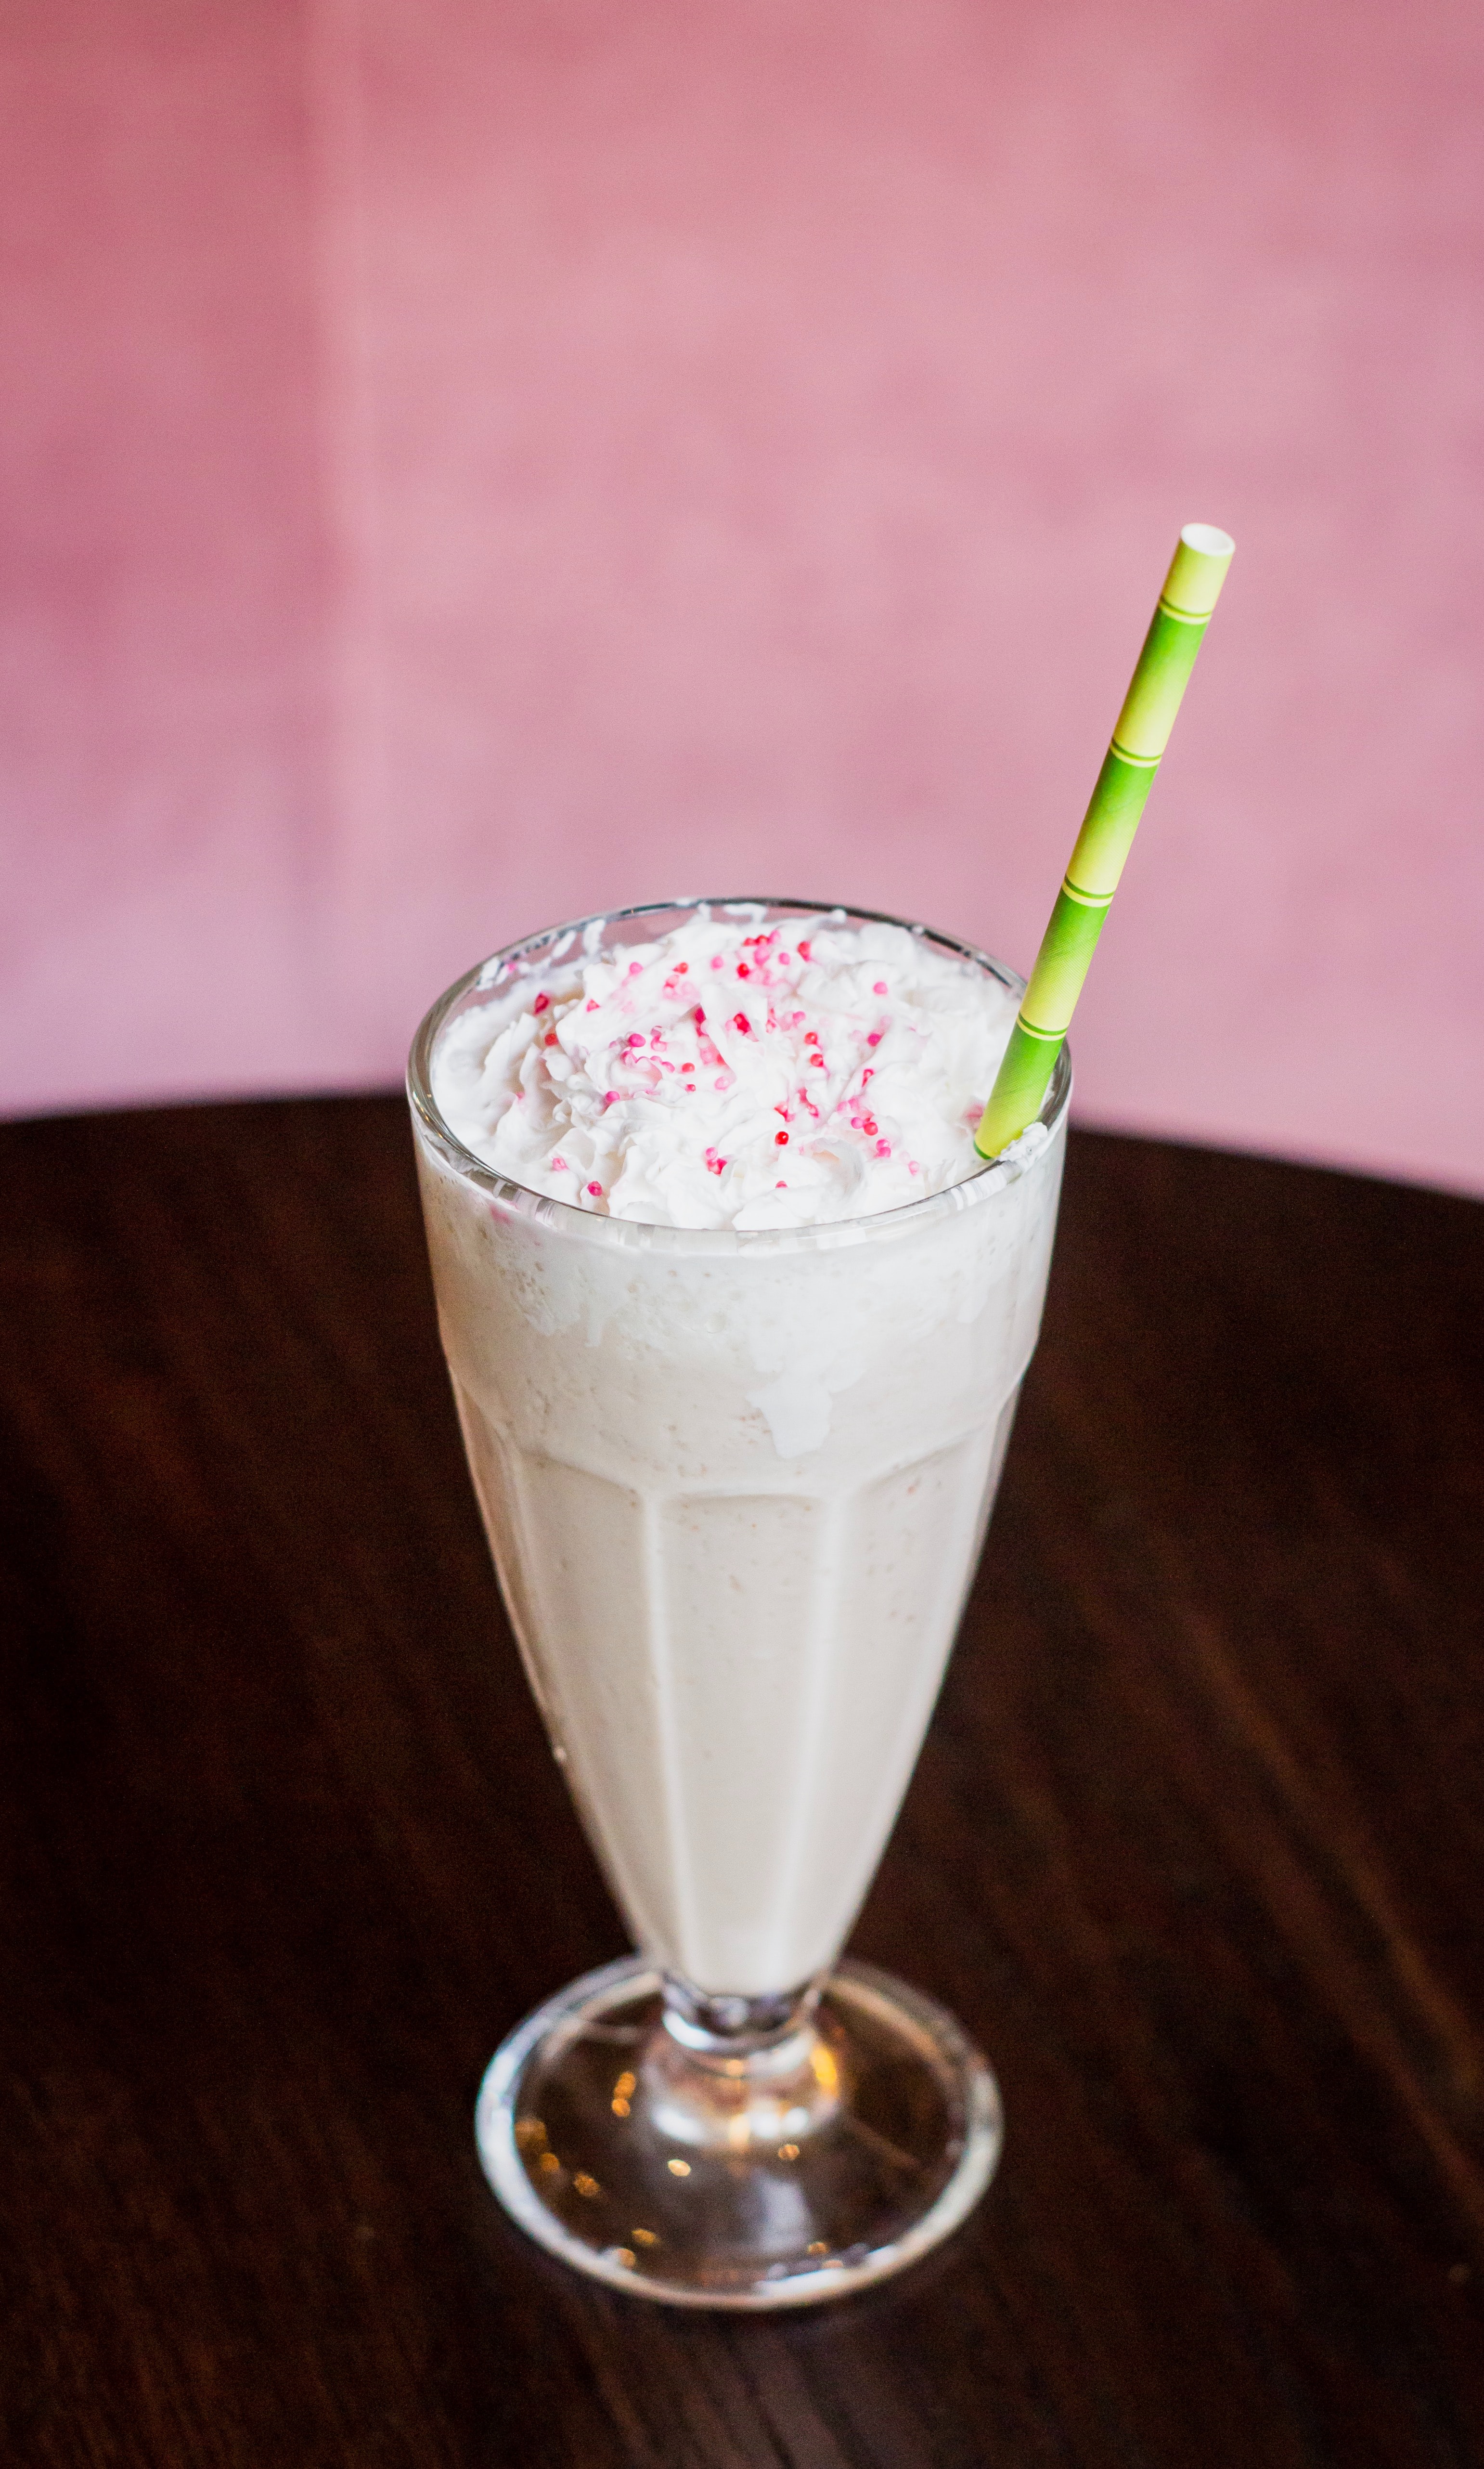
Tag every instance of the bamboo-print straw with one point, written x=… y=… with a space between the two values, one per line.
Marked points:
x=1192 y=586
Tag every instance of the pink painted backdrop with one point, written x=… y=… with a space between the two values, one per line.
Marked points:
x=465 y=465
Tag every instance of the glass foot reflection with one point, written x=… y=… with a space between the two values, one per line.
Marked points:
x=733 y=2152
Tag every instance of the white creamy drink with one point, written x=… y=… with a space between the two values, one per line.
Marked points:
x=737 y=1321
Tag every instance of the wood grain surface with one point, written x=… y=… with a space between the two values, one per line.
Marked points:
x=1194 y=1849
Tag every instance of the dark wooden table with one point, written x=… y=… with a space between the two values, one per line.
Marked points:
x=1195 y=1849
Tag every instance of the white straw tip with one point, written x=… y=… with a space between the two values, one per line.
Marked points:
x=1206 y=541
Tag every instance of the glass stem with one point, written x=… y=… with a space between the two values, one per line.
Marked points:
x=727 y=2027
x=741 y=2074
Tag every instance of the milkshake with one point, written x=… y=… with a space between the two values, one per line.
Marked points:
x=737 y=1319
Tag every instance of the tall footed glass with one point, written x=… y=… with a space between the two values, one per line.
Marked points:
x=736 y=1485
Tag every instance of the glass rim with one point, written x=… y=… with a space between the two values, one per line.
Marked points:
x=992 y=1176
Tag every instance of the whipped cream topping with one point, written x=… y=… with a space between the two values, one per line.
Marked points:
x=733 y=1074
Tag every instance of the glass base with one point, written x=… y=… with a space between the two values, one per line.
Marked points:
x=734 y=2153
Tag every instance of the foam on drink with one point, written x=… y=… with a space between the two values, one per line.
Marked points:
x=733 y=1074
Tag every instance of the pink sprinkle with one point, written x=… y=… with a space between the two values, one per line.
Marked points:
x=595 y=1189
x=869 y=1073
x=609 y=1097
x=700 y=1017
x=811 y=1036
x=634 y=1038
x=724 y=1079
x=636 y=968
x=780 y=1187
x=689 y=1088
x=742 y=969
x=819 y=1062
x=874 y=1038
x=913 y=1167
x=592 y=1006
x=867 y=1124
x=543 y=1003
x=783 y=958
x=883 y=1148
x=742 y=1024
x=681 y=967
x=716 y=960
x=805 y=953
x=780 y=1140
x=880 y=987
x=558 y=1166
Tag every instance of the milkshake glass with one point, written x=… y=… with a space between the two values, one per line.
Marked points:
x=736 y=1485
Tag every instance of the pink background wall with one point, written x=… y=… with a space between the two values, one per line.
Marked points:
x=466 y=464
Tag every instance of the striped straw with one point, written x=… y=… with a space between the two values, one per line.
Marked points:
x=1192 y=588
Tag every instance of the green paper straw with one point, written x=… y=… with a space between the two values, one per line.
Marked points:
x=1192 y=588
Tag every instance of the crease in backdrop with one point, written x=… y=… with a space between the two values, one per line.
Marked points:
x=463 y=467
